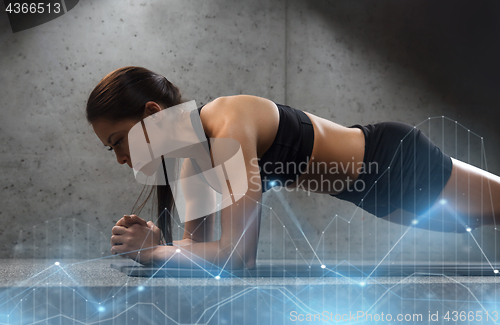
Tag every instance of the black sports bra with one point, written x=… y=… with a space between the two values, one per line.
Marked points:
x=288 y=156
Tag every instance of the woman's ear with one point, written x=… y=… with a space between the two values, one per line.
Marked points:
x=150 y=109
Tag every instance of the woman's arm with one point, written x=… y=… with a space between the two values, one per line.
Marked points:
x=237 y=247
x=200 y=226
x=240 y=221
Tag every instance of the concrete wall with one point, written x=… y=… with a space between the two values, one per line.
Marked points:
x=348 y=61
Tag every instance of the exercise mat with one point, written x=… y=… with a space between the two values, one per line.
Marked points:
x=292 y=269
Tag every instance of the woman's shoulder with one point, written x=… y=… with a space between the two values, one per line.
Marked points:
x=238 y=109
x=237 y=102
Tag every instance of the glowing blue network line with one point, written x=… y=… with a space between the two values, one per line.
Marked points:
x=421 y=273
x=296 y=221
x=215 y=307
x=229 y=299
x=359 y=205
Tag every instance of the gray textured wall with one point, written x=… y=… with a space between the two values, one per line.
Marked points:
x=350 y=61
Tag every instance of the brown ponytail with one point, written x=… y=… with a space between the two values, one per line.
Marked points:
x=123 y=94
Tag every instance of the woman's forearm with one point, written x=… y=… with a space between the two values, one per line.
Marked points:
x=184 y=242
x=199 y=255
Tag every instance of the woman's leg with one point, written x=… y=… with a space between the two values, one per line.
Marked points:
x=471 y=196
x=470 y=199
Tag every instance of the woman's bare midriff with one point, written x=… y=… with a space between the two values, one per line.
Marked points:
x=336 y=160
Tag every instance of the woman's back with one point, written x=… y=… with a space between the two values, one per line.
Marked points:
x=332 y=142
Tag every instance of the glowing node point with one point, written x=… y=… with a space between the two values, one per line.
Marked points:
x=468 y=130
x=442 y=201
x=323 y=266
x=362 y=284
x=56 y=263
x=272 y=183
x=495 y=271
x=283 y=226
x=217 y=277
x=141 y=288
x=177 y=250
x=414 y=222
x=468 y=229
x=101 y=309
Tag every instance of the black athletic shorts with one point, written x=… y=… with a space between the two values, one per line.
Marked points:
x=402 y=169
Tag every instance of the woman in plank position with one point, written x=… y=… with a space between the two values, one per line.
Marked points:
x=389 y=169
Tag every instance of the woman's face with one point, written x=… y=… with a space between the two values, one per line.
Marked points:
x=114 y=134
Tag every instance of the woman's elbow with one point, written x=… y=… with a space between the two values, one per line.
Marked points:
x=238 y=263
x=250 y=263
x=237 y=259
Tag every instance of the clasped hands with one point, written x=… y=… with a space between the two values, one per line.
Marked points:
x=135 y=238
